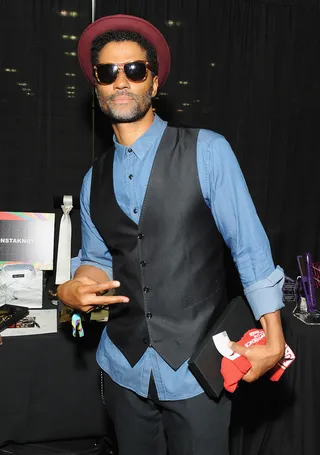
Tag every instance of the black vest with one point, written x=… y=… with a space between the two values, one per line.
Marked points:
x=171 y=264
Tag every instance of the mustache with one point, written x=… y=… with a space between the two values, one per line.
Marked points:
x=124 y=93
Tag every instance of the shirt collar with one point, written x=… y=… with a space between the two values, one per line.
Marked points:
x=142 y=145
x=11 y=271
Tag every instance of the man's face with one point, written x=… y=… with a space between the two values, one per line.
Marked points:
x=125 y=101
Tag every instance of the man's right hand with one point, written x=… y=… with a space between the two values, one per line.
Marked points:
x=83 y=293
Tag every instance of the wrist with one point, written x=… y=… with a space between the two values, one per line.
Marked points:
x=276 y=348
x=271 y=324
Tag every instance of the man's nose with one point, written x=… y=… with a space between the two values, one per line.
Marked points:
x=121 y=81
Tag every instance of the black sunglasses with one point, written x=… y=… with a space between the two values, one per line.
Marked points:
x=107 y=73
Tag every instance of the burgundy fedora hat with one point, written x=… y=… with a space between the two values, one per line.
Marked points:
x=132 y=24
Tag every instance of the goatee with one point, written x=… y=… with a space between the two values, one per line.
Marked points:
x=140 y=106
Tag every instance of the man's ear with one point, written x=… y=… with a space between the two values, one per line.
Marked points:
x=155 y=85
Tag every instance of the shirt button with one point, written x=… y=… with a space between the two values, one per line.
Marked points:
x=140 y=236
x=130 y=176
x=143 y=263
x=146 y=289
x=145 y=340
x=130 y=150
x=149 y=315
x=135 y=210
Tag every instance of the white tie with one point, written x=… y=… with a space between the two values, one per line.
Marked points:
x=63 y=272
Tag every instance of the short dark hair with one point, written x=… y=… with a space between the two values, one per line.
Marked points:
x=123 y=35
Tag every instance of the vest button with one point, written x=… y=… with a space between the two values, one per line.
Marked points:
x=145 y=341
x=143 y=263
x=146 y=289
x=140 y=236
x=149 y=315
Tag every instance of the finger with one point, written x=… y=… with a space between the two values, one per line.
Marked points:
x=100 y=287
x=251 y=376
x=237 y=348
x=248 y=376
x=88 y=309
x=105 y=300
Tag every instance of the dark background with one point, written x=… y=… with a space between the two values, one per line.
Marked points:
x=247 y=69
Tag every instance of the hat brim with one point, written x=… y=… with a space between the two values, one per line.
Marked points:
x=132 y=24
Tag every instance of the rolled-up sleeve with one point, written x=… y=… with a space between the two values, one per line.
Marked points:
x=265 y=296
x=226 y=193
x=93 y=251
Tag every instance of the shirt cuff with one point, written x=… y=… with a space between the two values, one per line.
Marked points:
x=265 y=296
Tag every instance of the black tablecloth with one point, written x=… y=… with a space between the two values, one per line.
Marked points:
x=282 y=418
x=50 y=391
x=50 y=387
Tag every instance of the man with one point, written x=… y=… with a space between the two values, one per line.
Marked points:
x=154 y=210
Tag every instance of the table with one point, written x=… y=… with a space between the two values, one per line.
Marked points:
x=50 y=387
x=50 y=391
x=282 y=418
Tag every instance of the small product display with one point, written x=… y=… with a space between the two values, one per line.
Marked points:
x=306 y=305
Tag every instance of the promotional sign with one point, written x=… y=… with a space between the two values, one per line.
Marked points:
x=27 y=237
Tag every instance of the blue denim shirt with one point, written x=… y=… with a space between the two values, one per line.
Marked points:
x=226 y=194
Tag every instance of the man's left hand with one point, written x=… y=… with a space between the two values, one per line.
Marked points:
x=262 y=359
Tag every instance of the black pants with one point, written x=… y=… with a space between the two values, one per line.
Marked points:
x=148 y=426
